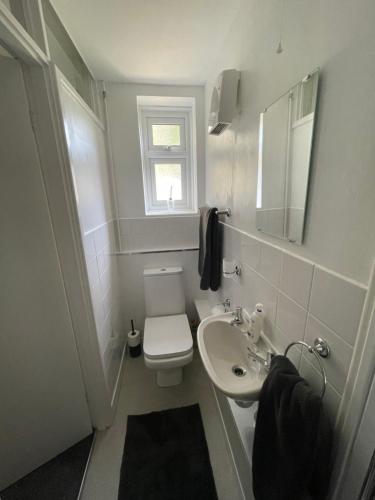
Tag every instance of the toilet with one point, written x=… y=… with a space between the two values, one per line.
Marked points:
x=167 y=343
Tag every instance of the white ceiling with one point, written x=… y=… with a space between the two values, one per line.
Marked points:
x=154 y=41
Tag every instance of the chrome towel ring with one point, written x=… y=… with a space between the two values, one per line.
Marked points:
x=320 y=349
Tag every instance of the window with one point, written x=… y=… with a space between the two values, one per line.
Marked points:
x=167 y=136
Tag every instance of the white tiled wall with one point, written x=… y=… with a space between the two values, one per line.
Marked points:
x=302 y=301
x=159 y=233
x=148 y=238
x=102 y=268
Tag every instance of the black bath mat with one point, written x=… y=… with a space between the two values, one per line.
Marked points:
x=166 y=457
x=58 y=479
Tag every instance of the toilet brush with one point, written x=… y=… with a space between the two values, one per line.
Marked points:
x=134 y=342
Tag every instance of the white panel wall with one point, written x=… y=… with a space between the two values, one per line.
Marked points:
x=86 y=144
x=90 y=169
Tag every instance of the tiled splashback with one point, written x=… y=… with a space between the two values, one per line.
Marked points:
x=302 y=301
x=158 y=233
x=102 y=267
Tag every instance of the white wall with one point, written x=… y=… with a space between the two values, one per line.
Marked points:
x=123 y=121
x=139 y=233
x=90 y=169
x=337 y=37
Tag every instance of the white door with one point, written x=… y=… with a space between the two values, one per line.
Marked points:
x=43 y=409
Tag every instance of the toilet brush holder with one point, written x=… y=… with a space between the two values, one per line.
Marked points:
x=134 y=343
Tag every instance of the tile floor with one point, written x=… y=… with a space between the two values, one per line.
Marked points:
x=140 y=394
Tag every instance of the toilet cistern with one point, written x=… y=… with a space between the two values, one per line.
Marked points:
x=168 y=344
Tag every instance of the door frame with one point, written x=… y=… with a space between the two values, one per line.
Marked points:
x=357 y=389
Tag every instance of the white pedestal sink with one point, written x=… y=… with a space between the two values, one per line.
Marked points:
x=223 y=349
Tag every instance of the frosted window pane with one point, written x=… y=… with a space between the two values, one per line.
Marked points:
x=168 y=181
x=166 y=135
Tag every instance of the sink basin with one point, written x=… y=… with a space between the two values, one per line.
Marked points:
x=223 y=349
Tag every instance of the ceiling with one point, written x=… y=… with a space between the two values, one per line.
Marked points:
x=151 y=41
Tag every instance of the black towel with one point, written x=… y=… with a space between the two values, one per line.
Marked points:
x=209 y=265
x=292 y=442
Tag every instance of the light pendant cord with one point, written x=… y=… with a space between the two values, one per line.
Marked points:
x=280 y=49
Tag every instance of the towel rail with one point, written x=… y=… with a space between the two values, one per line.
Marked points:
x=224 y=211
x=320 y=349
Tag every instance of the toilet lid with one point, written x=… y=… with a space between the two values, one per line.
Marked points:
x=167 y=336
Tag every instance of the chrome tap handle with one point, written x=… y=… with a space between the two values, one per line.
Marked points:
x=226 y=304
x=266 y=362
x=238 y=320
x=238 y=312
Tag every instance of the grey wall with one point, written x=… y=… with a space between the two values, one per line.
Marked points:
x=338 y=37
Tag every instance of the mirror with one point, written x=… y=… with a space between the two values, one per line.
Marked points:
x=285 y=139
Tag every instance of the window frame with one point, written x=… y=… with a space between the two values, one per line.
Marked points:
x=152 y=187
x=183 y=114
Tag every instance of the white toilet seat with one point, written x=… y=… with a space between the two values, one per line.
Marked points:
x=168 y=363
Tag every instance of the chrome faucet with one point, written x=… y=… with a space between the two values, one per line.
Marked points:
x=266 y=362
x=226 y=304
x=238 y=319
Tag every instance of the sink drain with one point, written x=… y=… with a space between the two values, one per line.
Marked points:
x=239 y=371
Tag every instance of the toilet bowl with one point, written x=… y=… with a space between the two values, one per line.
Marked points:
x=168 y=344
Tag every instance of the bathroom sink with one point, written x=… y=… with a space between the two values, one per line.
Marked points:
x=223 y=349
